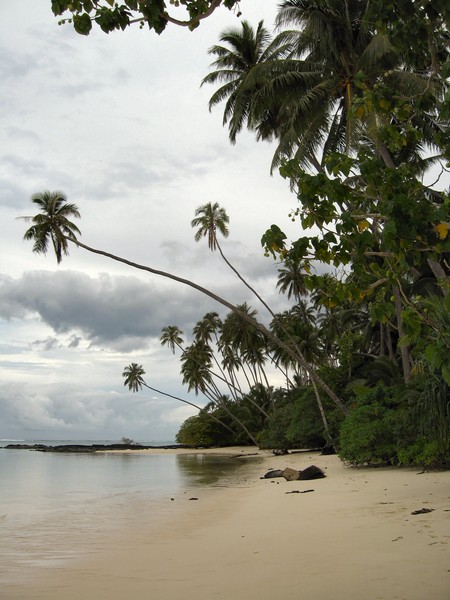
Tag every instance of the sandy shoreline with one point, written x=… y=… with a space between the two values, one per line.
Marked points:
x=352 y=538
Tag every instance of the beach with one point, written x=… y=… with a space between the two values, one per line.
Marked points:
x=349 y=536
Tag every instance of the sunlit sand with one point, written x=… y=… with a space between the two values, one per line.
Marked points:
x=352 y=536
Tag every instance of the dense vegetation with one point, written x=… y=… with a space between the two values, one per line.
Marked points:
x=359 y=120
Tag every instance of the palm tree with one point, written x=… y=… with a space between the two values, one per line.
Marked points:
x=171 y=336
x=210 y=218
x=52 y=223
x=133 y=375
x=236 y=65
x=303 y=92
x=333 y=44
x=69 y=237
x=291 y=279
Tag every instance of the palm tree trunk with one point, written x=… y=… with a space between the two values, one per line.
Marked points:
x=296 y=354
x=190 y=404
x=322 y=414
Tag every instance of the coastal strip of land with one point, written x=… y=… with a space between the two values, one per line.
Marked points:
x=372 y=533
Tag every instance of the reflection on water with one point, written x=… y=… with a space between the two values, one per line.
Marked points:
x=208 y=469
x=54 y=507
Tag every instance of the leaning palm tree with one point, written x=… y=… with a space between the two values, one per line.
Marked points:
x=133 y=376
x=210 y=218
x=52 y=223
x=54 y=230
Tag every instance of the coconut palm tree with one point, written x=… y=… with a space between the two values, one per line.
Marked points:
x=52 y=224
x=54 y=229
x=133 y=376
x=171 y=336
x=303 y=95
x=291 y=279
x=210 y=218
x=236 y=65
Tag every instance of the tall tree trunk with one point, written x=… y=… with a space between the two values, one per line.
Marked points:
x=403 y=348
x=322 y=414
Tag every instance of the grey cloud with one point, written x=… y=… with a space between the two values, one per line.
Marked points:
x=117 y=311
x=46 y=412
x=51 y=343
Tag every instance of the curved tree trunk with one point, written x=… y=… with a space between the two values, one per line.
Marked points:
x=297 y=355
x=190 y=403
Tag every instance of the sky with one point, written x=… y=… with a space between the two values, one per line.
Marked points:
x=120 y=124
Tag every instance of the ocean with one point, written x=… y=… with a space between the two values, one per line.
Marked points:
x=55 y=507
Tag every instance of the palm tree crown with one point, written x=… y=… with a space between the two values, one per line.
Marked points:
x=235 y=65
x=52 y=223
x=171 y=336
x=210 y=218
x=134 y=377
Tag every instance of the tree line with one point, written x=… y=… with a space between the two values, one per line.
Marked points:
x=359 y=121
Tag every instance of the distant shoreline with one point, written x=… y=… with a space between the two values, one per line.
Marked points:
x=141 y=448
x=88 y=447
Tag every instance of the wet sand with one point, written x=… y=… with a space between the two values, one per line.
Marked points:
x=350 y=536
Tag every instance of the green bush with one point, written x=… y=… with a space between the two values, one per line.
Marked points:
x=372 y=431
x=203 y=431
x=296 y=422
x=273 y=435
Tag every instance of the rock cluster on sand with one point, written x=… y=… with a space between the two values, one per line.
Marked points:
x=289 y=474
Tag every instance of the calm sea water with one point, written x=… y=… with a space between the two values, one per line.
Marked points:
x=54 y=507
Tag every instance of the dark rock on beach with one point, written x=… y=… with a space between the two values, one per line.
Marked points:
x=312 y=472
x=273 y=473
x=87 y=448
x=289 y=474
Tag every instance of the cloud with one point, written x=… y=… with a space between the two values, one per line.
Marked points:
x=121 y=312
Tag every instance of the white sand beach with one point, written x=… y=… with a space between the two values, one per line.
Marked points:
x=350 y=536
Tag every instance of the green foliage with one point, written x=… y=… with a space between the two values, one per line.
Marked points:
x=202 y=431
x=296 y=422
x=129 y=442
x=274 y=434
x=110 y=15
x=427 y=326
x=405 y=425
x=371 y=431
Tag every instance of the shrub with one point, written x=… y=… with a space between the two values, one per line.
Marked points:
x=371 y=432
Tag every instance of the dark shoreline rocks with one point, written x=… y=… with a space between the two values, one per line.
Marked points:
x=289 y=474
x=89 y=448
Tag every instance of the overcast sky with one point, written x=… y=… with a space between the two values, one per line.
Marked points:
x=120 y=124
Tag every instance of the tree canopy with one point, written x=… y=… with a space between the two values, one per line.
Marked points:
x=109 y=15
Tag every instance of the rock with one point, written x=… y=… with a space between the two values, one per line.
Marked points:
x=291 y=474
x=273 y=473
x=312 y=472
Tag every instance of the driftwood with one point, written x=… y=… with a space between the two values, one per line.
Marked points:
x=422 y=511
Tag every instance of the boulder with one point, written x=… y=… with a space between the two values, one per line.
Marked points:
x=291 y=474
x=273 y=473
x=311 y=472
